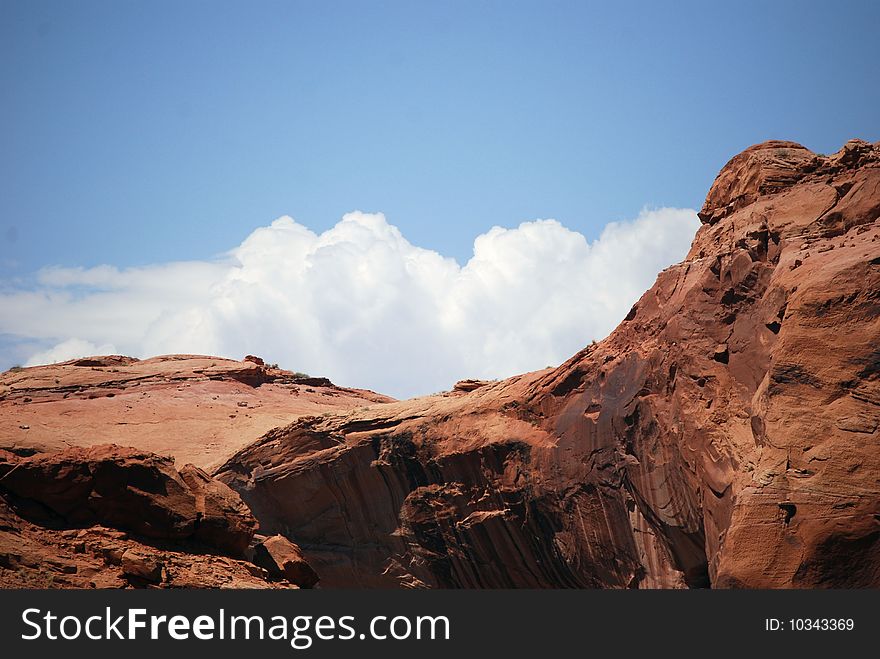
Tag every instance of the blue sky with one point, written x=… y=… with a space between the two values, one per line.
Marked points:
x=134 y=135
x=151 y=131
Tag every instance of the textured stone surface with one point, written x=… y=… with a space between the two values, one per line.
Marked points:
x=283 y=560
x=126 y=489
x=111 y=517
x=198 y=409
x=760 y=170
x=141 y=565
x=34 y=556
x=724 y=434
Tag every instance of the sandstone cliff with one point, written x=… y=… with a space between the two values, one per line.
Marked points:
x=725 y=434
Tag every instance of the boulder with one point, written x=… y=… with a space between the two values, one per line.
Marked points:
x=283 y=559
x=222 y=518
x=142 y=565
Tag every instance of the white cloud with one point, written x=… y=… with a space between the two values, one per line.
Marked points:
x=361 y=304
x=70 y=349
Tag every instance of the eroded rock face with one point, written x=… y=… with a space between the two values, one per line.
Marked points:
x=725 y=434
x=126 y=489
x=760 y=170
x=111 y=517
x=36 y=556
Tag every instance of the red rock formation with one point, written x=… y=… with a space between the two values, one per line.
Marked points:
x=198 y=409
x=127 y=489
x=109 y=517
x=725 y=434
x=760 y=170
x=469 y=385
x=36 y=556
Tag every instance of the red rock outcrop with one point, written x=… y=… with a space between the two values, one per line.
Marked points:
x=725 y=434
x=37 y=556
x=127 y=489
x=198 y=409
x=108 y=517
x=469 y=385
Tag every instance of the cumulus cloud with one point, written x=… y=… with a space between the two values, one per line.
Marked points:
x=70 y=349
x=361 y=304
